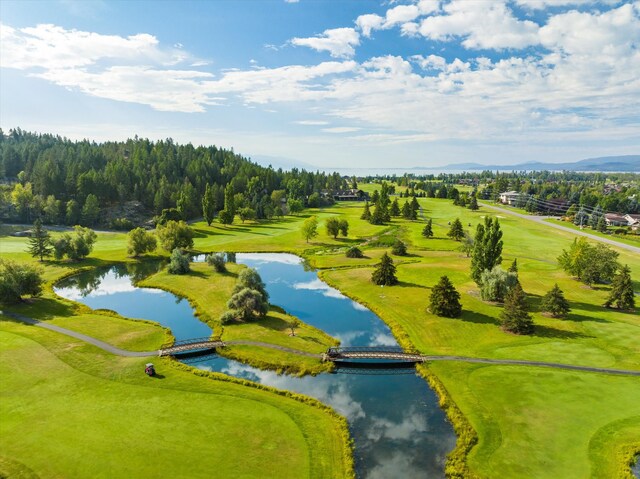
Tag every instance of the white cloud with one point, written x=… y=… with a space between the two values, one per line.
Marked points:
x=320 y=286
x=483 y=23
x=398 y=15
x=542 y=4
x=312 y=122
x=291 y=1
x=339 y=42
x=341 y=129
x=367 y=23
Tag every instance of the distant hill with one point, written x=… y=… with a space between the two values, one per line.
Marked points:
x=626 y=163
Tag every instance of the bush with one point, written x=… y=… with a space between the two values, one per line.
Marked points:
x=355 y=252
x=179 y=263
x=18 y=280
x=75 y=247
x=175 y=234
x=217 y=261
x=140 y=242
x=495 y=284
x=229 y=317
x=399 y=248
x=121 y=224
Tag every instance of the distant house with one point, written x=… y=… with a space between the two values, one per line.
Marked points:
x=633 y=221
x=613 y=219
x=509 y=197
x=350 y=195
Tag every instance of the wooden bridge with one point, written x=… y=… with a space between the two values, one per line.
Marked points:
x=189 y=346
x=371 y=354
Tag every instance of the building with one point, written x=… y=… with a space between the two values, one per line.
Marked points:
x=633 y=221
x=350 y=195
x=614 y=219
x=509 y=198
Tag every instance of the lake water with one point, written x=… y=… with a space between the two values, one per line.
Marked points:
x=398 y=429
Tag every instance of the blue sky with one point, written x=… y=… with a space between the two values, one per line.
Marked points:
x=349 y=84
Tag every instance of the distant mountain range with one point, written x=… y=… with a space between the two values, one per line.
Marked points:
x=626 y=163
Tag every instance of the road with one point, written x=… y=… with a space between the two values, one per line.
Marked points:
x=122 y=352
x=541 y=220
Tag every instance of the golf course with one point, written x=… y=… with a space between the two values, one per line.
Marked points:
x=512 y=421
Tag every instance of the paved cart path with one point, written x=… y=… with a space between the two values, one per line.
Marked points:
x=427 y=358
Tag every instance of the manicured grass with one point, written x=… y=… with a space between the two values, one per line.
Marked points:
x=70 y=410
x=209 y=292
x=540 y=423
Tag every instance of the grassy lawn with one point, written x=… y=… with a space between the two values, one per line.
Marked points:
x=90 y=414
x=209 y=292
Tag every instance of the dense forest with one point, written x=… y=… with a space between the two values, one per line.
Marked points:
x=82 y=182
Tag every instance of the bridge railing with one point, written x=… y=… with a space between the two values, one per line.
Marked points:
x=184 y=342
x=336 y=351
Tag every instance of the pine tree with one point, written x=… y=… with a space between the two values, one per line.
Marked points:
x=415 y=207
x=395 y=208
x=514 y=266
x=399 y=248
x=427 y=231
x=40 y=242
x=602 y=225
x=445 y=300
x=456 y=231
x=406 y=210
x=385 y=273
x=473 y=203
x=515 y=316
x=366 y=213
x=622 y=290
x=555 y=303
x=379 y=215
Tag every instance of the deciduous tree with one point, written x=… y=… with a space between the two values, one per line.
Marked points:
x=140 y=241
x=18 y=280
x=310 y=228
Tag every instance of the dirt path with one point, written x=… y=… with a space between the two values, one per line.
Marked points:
x=123 y=352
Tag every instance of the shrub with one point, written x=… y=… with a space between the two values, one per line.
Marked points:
x=229 y=317
x=121 y=224
x=217 y=261
x=355 y=252
x=399 y=248
x=495 y=284
x=18 y=280
x=175 y=234
x=140 y=242
x=179 y=263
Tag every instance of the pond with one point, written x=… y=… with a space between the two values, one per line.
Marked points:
x=398 y=428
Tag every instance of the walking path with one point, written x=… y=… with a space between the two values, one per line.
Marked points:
x=123 y=352
x=541 y=220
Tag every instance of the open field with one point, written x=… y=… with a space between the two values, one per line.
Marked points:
x=572 y=424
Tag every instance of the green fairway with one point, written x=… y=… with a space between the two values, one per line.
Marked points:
x=89 y=414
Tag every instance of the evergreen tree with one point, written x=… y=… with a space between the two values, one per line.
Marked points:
x=395 y=208
x=407 y=211
x=456 y=231
x=73 y=212
x=622 y=290
x=366 y=213
x=427 y=231
x=415 y=207
x=602 y=225
x=209 y=206
x=445 y=300
x=354 y=252
x=40 y=242
x=555 y=303
x=581 y=217
x=515 y=316
x=595 y=217
x=379 y=215
x=514 y=266
x=385 y=273
x=473 y=203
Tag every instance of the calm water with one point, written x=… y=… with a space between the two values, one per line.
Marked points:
x=398 y=428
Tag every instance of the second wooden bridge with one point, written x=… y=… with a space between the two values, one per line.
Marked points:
x=371 y=354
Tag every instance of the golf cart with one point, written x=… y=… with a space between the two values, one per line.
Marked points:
x=150 y=370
